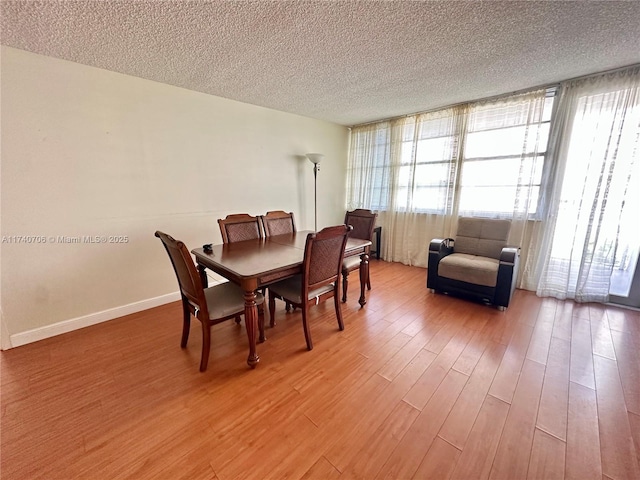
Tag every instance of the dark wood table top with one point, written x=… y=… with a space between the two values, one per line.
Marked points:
x=257 y=258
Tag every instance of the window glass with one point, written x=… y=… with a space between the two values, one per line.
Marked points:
x=485 y=159
x=504 y=158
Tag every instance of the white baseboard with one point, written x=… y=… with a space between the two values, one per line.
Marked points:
x=66 y=326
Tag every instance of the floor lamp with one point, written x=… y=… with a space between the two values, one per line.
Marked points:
x=315 y=159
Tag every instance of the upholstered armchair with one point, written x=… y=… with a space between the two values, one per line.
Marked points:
x=477 y=263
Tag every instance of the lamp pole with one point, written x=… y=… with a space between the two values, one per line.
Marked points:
x=315 y=159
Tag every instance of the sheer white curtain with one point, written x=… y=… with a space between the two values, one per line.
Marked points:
x=425 y=149
x=369 y=167
x=504 y=164
x=422 y=171
x=597 y=159
x=406 y=169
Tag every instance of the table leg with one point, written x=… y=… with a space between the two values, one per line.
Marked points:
x=251 y=323
x=364 y=274
x=203 y=275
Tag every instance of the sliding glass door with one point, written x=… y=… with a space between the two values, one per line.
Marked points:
x=625 y=278
x=631 y=296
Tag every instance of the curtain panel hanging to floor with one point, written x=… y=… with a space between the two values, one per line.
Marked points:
x=593 y=227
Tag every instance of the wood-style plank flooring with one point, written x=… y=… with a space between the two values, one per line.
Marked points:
x=417 y=386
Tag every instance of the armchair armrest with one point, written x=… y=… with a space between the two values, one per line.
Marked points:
x=509 y=255
x=443 y=246
x=507 y=275
x=438 y=249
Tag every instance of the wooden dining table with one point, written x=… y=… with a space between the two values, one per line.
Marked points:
x=253 y=264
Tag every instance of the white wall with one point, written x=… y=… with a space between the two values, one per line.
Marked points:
x=91 y=152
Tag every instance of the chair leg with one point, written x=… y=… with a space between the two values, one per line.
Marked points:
x=338 y=309
x=261 y=338
x=238 y=319
x=305 y=325
x=206 y=345
x=272 y=310
x=287 y=306
x=345 y=284
x=369 y=281
x=186 y=324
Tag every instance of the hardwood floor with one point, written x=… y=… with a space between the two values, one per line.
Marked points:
x=417 y=386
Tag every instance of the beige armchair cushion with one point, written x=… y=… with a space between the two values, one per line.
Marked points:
x=470 y=268
x=481 y=236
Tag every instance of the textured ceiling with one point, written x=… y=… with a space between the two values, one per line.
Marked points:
x=347 y=62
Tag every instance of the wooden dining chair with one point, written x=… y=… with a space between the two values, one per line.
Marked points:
x=210 y=305
x=320 y=277
x=278 y=222
x=363 y=222
x=240 y=226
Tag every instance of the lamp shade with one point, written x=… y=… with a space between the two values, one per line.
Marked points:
x=315 y=158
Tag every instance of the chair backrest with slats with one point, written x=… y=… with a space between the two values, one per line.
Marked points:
x=323 y=255
x=363 y=222
x=239 y=227
x=278 y=222
x=186 y=272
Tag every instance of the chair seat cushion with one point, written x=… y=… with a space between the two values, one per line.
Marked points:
x=226 y=299
x=470 y=269
x=351 y=263
x=291 y=289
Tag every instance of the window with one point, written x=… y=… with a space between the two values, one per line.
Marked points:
x=503 y=160
x=369 y=167
x=486 y=159
x=426 y=174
